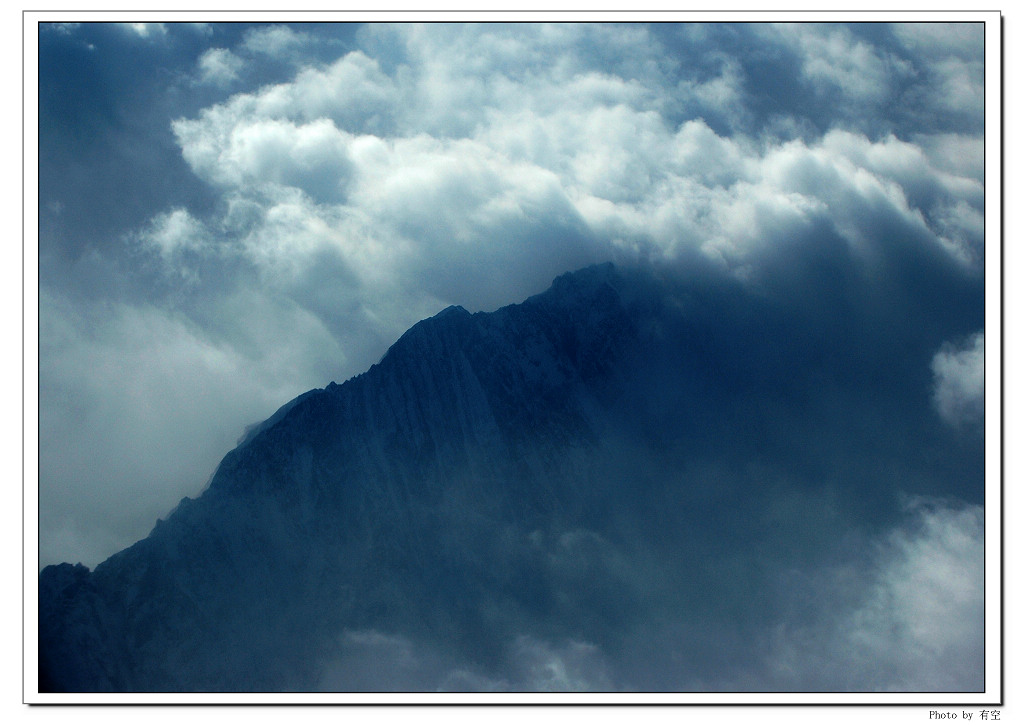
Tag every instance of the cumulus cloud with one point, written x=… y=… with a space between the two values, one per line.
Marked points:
x=959 y=372
x=588 y=154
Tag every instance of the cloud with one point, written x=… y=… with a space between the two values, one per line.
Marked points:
x=959 y=393
x=352 y=92
x=898 y=611
x=262 y=154
x=943 y=40
x=274 y=40
x=949 y=63
x=147 y=30
x=219 y=66
x=61 y=28
x=593 y=150
x=176 y=236
x=371 y=660
x=834 y=61
x=138 y=404
x=912 y=620
x=957 y=85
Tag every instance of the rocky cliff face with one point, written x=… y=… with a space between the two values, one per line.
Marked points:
x=547 y=476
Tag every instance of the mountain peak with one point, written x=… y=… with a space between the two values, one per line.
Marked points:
x=579 y=478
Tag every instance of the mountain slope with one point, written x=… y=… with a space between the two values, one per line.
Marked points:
x=595 y=473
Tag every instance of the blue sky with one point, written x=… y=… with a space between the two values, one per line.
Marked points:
x=232 y=214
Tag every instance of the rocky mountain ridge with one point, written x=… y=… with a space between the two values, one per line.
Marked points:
x=583 y=469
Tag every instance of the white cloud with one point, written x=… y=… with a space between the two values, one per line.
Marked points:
x=959 y=155
x=949 y=60
x=147 y=30
x=312 y=157
x=388 y=167
x=835 y=61
x=961 y=230
x=173 y=235
x=350 y=94
x=219 y=66
x=274 y=40
x=942 y=40
x=61 y=28
x=921 y=628
x=723 y=93
x=959 y=371
x=958 y=85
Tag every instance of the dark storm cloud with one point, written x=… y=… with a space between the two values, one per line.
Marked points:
x=233 y=214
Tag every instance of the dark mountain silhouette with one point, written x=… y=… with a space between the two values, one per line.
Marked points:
x=603 y=478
